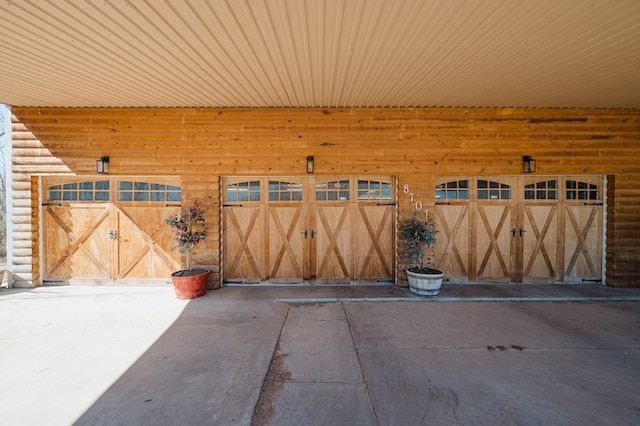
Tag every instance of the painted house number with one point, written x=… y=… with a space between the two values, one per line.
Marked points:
x=416 y=203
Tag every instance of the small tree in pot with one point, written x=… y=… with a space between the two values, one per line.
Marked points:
x=188 y=228
x=418 y=234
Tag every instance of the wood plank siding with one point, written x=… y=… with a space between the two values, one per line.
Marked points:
x=415 y=144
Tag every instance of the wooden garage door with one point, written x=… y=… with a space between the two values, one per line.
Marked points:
x=520 y=228
x=308 y=228
x=109 y=230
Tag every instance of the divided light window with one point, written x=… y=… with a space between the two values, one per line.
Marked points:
x=243 y=191
x=79 y=191
x=285 y=191
x=147 y=191
x=489 y=190
x=333 y=191
x=582 y=190
x=546 y=190
x=454 y=190
x=373 y=190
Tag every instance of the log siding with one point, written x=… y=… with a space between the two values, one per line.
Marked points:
x=415 y=144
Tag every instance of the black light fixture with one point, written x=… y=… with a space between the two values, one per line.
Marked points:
x=528 y=164
x=102 y=165
x=310 y=166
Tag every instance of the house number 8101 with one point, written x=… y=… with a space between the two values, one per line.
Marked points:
x=416 y=203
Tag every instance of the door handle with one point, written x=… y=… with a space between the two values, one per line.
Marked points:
x=305 y=234
x=113 y=234
x=513 y=233
x=521 y=231
x=313 y=234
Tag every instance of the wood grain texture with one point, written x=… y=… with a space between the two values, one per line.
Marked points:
x=199 y=145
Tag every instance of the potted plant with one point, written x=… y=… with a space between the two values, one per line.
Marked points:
x=188 y=228
x=417 y=233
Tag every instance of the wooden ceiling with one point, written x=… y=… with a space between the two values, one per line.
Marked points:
x=321 y=53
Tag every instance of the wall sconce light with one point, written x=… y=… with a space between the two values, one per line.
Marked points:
x=528 y=164
x=102 y=165
x=310 y=166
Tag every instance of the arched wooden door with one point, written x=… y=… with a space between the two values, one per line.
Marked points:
x=316 y=229
x=108 y=230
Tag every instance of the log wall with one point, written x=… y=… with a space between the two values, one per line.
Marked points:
x=415 y=144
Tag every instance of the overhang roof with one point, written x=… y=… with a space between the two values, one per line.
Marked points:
x=321 y=53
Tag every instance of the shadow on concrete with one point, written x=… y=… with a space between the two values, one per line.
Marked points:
x=207 y=368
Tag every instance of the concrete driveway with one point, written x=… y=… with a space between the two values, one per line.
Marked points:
x=315 y=356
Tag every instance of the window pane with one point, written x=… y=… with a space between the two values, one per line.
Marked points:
x=157 y=187
x=70 y=196
x=54 y=195
x=141 y=186
x=157 y=196
x=141 y=196
x=173 y=196
x=102 y=196
x=125 y=185
x=86 y=185
x=124 y=196
x=86 y=195
x=254 y=196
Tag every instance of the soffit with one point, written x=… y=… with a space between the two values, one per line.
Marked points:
x=311 y=53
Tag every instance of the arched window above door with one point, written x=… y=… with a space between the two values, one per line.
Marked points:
x=333 y=190
x=79 y=191
x=543 y=190
x=243 y=191
x=454 y=190
x=577 y=190
x=490 y=190
x=285 y=191
x=374 y=190
x=147 y=191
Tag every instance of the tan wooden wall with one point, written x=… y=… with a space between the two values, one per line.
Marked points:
x=414 y=144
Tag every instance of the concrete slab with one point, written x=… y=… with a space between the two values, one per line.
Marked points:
x=317 y=345
x=321 y=404
x=508 y=363
x=137 y=355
